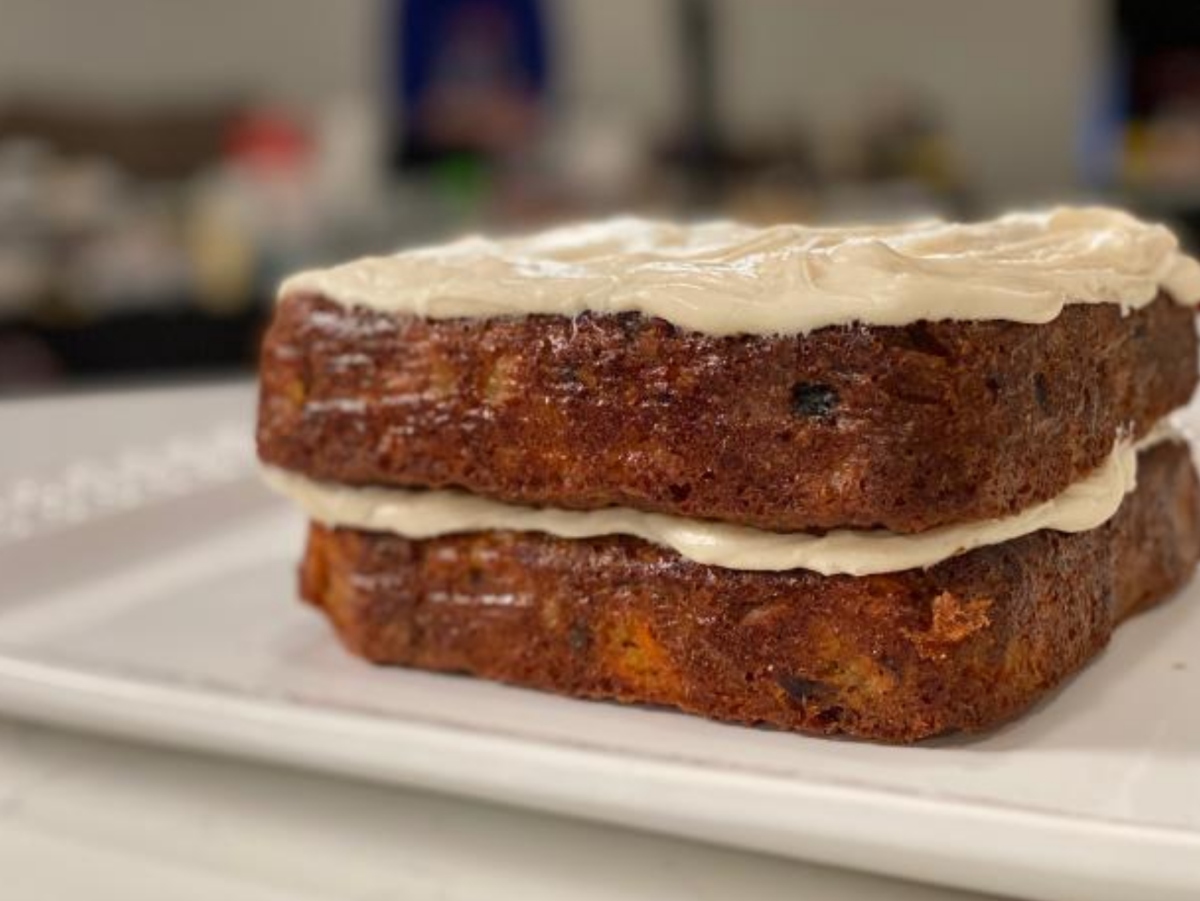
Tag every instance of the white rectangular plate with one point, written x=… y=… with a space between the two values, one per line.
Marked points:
x=167 y=612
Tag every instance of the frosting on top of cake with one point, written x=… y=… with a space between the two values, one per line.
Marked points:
x=727 y=278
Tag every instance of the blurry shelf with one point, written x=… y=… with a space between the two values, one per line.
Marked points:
x=182 y=338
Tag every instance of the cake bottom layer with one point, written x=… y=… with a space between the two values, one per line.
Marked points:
x=964 y=645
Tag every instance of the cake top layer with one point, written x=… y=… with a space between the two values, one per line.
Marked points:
x=727 y=278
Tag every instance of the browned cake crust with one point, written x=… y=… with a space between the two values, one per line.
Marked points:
x=962 y=646
x=904 y=428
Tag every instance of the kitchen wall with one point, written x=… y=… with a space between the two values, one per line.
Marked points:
x=174 y=50
x=785 y=64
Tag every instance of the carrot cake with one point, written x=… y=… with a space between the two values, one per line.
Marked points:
x=889 y=482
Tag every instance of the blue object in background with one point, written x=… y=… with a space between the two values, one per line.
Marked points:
x=468 y=76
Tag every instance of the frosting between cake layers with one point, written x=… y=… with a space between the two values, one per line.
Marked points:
x=727 y=278
x=420 y=514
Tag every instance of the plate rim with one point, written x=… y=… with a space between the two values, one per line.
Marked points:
x=826 y=821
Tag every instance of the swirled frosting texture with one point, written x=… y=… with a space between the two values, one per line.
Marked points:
x=726 y=278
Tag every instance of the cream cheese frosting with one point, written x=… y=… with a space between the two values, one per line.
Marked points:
x=420 y=514
x=727 y=278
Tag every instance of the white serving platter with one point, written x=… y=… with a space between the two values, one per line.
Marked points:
x=153 y=597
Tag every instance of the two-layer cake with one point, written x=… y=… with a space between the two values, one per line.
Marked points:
x=890 y=482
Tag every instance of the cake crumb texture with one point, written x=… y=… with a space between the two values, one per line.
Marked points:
x=903 y=428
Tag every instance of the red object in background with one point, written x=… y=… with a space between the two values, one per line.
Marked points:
x=267 y=140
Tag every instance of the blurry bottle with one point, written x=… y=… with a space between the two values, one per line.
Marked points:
x=256 y=216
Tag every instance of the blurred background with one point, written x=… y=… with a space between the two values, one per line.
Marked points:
x=162 y=164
